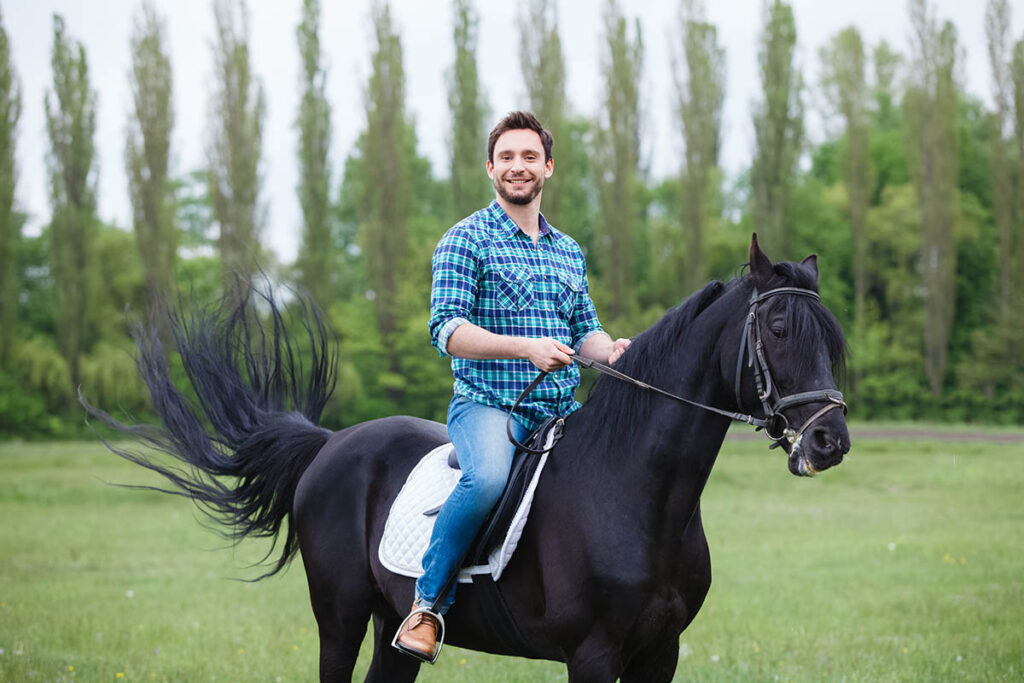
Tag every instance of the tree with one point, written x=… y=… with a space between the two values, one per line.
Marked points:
x=470 y=189
x=147 y=152
x=932 y=100
x=385 y=201
x=618 y=151
x=10 y=222
x=845 y=88
x=778 y=130
x=700 y=81
x=237 y=114
x=543 y=65
x=997 y=25
x=316 y=253
x=1017 y=79
x=71 y=124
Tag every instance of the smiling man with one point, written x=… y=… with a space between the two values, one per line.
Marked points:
x=509 y=297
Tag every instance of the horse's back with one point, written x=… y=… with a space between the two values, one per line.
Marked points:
x=369 y=459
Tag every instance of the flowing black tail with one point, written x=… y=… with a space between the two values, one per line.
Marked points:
x=260 y=402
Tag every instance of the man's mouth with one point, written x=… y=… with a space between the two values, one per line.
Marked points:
x=517 y=181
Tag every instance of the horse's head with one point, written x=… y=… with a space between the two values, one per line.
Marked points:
x=791 y=350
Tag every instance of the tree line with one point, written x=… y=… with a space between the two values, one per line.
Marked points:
x=914 y=203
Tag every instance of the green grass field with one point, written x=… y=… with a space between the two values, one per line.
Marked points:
x=904 y=564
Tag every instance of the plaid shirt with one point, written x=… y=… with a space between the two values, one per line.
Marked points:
x=488 y=272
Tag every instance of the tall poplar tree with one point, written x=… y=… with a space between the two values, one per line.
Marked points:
x=700 y=82
x=470 y=189
x=71 y=123
x=237 y=116
x=844 y=84
x=1017 y=85
x=10 y=224
x=778 y=130
x=147 y=154
x=618 y=151
x=543 y=65
x=385 y=198
x=316 y=253
x=997 y=25
x=931 y=101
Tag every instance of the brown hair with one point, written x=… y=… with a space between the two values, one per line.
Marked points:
x=519 y=120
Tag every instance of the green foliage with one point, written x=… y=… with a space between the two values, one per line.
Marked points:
x=467 y=104
x=316 y=260
x=147 y=156
x=70 y=124
x=10 y=220
x=778 y=130
x=237 y=118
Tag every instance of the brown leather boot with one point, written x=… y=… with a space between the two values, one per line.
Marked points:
x=418 y=634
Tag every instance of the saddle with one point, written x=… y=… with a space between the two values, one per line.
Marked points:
x=411 y=519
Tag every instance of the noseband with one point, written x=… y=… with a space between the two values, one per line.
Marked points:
x=776 y=424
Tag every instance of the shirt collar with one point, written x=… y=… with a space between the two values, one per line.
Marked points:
x=509 y=228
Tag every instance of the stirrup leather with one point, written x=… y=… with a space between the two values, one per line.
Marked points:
x=438 y=642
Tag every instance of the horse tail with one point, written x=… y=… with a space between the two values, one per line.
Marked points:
x=251 y=430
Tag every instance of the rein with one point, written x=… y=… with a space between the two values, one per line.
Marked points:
x=775 y=424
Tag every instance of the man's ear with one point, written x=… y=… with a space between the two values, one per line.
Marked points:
x=490 y=169
x=549 y=167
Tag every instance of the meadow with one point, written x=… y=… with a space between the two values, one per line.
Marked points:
x=906 y=563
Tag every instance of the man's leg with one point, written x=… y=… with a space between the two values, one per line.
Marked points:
x=485 y=458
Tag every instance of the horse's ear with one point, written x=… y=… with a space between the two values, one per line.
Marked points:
x=760 y=266
x=811 y=263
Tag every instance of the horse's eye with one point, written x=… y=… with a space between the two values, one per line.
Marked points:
x=778 y=330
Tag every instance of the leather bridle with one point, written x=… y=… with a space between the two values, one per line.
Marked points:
x=775 y=423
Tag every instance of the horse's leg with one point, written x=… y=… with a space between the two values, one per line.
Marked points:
x=654 y=663
x=388 y=664
x=342 y=627
x=596 y=660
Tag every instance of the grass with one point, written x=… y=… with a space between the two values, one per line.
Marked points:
x=902 y=564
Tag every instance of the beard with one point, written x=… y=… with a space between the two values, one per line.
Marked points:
x=521 y=197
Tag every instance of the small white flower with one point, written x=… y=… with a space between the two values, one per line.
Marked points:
x=714 y=658
x=892 y=546
x=685 y=650
x=959 y=658
x=129 y=593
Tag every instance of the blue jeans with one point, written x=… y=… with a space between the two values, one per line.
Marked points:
x=485 y=457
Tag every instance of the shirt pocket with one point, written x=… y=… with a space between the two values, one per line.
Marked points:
x=514 y=289
x=569 y=286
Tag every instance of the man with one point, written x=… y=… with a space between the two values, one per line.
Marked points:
x=509 y=296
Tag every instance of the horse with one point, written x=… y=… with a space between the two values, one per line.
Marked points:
x=613 y=564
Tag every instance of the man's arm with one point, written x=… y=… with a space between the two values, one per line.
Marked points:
x=474 y=342
x=600 y=347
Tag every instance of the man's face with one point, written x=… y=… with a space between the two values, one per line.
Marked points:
x=519 y=169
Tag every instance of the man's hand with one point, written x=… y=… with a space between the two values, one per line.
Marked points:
x=548 y=354
x=619 y=347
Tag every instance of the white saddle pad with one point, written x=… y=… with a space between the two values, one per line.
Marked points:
x=407 y=531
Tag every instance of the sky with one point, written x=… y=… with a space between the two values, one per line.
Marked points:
x=104 y=28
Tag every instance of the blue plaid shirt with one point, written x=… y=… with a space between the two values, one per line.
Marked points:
x=488 y=272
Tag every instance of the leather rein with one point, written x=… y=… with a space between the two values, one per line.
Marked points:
x=775 y=423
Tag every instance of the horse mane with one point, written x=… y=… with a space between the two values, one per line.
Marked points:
x=622 y=404
x=618 y=408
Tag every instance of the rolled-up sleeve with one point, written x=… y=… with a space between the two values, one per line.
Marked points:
x=583 y=322
x=453 y=286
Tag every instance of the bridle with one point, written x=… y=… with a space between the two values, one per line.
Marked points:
x=775 y=424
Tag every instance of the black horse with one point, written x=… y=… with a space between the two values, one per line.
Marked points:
x=613 y=563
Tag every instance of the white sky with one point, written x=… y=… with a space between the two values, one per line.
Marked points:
x=104 y=28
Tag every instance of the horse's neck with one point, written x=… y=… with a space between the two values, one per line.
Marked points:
x=673 y=448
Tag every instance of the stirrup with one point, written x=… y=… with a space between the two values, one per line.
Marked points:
x=438 y=642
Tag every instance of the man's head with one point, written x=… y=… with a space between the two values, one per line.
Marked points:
x=519 y=157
